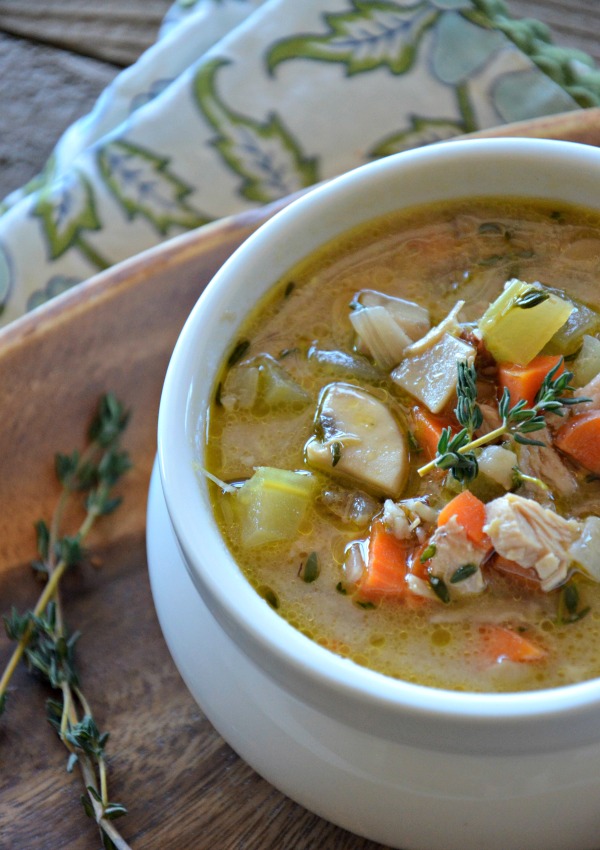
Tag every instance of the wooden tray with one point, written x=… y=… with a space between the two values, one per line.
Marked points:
x=183 y=785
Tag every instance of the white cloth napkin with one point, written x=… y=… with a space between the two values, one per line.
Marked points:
x=241 y=102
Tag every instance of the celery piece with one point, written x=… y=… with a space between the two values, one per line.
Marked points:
x=272 y=504
x=515 y=328
x=568 y=339
x=277 y=388
x=587 y=363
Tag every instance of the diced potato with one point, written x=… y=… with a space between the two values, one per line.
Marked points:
x=587 y=363
x=585 y=551
x=358 y=438
x=516 y=333
x=271 y=505
x=240 y=389
x=431 y=376
x=262 y=380
x=276 y=387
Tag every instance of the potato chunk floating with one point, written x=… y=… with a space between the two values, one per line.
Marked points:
x=357 y=437
x=430 y=376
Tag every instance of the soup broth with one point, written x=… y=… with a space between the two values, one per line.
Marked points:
x=326 y=527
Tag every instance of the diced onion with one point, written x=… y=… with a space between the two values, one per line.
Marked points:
x=354 y=562
x=585 y=551
x=498 y=464
x=383 y=337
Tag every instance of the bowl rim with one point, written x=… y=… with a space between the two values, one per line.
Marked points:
x=291 y=658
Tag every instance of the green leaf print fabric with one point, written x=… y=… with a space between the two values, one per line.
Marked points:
x=242 y=102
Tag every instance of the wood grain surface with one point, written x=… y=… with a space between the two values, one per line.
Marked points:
x=184 y=787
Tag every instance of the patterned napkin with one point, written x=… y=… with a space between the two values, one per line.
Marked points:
x=241 y=102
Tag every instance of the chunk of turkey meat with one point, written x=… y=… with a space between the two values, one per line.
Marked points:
x=545 y=463
x=535 y=537
x=453 y=550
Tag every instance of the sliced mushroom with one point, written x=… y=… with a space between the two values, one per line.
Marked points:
x=357 y=437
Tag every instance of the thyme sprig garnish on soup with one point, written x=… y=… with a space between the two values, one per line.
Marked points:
x=430 y=440
x=456 y=453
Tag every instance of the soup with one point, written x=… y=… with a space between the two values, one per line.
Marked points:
x=404 y=446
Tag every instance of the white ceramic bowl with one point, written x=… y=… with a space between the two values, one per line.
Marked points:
x=405 y=765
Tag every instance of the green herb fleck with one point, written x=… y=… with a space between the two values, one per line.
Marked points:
x=309 y=570
x=240 y=348
x=531 y=298
x=438 y=586
x=568 y=605
x=413 y=443
x=336 y=452
x=428 y=553
x=289 y=288
x=269 y=595
x=462 y=573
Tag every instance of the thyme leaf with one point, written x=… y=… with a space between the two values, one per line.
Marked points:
x=440 y=589
x=462 y=573
x=568 y=605
x=239 y=349
x=428 y=553
x=309 y=570
x=336 y=452
x=531 y=298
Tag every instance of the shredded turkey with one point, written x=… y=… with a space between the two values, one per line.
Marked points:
x=545 y=463
x=403 y=518
x=395 y=520
x=454 y=550
x=491 y=419
x=535 y=537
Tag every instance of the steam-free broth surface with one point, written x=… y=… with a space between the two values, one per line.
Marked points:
x=299 y=366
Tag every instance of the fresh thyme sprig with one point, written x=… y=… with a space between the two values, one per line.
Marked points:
x=42 y=638
x=456 y=453
x=452 y=449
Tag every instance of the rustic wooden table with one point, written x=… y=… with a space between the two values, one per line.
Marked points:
x=184 y=787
